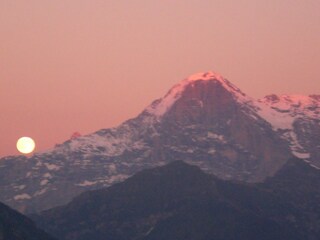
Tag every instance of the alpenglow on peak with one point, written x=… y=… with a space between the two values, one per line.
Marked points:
x=161 y=106
x=210 y=75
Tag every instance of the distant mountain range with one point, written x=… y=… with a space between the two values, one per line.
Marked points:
x=180 y=202
x=203 y=120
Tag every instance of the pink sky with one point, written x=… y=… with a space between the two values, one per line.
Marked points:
x=76 y=65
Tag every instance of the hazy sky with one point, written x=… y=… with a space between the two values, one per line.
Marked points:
x=76 y=65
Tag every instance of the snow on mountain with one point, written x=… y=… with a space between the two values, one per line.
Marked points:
x=161 y=106
x=289 y=107
x=204 y=120
x=285 y=111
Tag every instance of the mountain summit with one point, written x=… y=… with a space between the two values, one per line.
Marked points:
x=197 y=88
x=203 y=120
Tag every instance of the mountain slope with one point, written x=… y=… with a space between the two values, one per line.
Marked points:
x=299 y=183
x=204 y=120
x=297 y=120
x=15 y=226
x=177 y=201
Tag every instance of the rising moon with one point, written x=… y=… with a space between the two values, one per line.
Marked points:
x=25 y=145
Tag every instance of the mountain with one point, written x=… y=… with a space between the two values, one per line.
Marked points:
x=179 y=201
x=297 y=119
x=299 y=183
x=15 y=226
x=204 y=120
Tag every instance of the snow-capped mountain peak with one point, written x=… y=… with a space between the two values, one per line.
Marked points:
x=204 y=120
x=213 y=76
x=163 y=105
x=205 y=76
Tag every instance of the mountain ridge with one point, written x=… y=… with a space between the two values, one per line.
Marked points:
x=179 y=201
x=206 y=121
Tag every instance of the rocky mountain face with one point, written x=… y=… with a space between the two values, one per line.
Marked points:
x=179 y=201
x=296 y=119
x=15 y=226
x=204 y=120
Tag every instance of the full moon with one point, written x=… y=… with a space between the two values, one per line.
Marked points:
x=25 y=145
